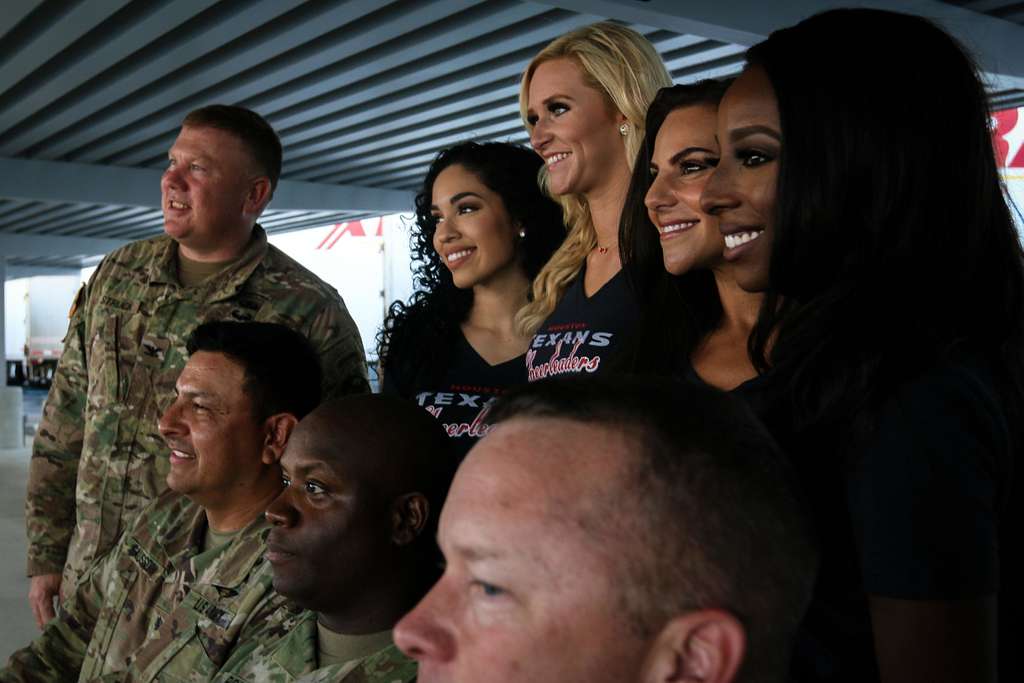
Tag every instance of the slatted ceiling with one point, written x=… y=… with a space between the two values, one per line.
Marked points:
x=1001 y=9
x=362 y=92
x=43 y=219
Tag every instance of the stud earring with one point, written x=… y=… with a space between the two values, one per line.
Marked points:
x=522 y=233
x=624 y=129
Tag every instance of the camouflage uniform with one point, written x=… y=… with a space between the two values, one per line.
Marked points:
x=155 y=608
x=283 y=649
x=122 y=355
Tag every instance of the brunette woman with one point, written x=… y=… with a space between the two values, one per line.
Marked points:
x=696 y=321
x=483 y=231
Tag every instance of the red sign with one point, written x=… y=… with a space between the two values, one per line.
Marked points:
x=353 y=228
x=1008 y=138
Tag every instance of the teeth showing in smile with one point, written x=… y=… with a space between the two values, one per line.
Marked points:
x=736 y=239
x=555 y=158
x=676 y=227
x=183 y=456
x=458 y=255
x=178 y=205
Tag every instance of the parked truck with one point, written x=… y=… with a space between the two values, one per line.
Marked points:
x=37 y=318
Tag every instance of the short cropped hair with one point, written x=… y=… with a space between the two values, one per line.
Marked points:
x=250 y=128
x=719 y=521
x=282 y=369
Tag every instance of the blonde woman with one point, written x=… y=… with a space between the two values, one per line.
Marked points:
x=584 y=98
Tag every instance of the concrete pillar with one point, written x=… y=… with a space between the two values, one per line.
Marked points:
x=12 y=423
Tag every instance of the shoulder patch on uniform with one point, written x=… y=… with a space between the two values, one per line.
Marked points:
x=78 y=301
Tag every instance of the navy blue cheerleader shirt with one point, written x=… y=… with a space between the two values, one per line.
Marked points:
x=583 y=333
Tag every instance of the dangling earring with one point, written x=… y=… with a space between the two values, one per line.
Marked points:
x=522 y=233
x=624 y=129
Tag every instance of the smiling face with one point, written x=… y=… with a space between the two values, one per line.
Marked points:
x=475 y=236
x=331 y=533
x=216 y=442
x=685 y=154
x=741 y=192
x=211 y=194
x=528 y=583
x=575 y=129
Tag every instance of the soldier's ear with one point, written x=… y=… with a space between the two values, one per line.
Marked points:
x=258 y=196
x=409 y=514
x=276 y=431
x=706 y=646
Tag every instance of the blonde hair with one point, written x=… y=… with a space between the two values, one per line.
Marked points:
x=622 y=65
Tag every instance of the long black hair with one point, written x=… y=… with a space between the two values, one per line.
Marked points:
x=677 y=312
x=416 y=338
x=893 y=248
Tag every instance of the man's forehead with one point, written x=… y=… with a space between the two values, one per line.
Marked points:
x=206 y=140
x=546 y=469
x=211 y=371
x=314 y=445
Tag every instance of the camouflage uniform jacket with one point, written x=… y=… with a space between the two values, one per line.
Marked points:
x=155 y=608
x=97 y=457
x=283 y=649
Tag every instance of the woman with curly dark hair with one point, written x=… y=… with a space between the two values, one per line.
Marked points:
x=857 y=187
x=483 y=231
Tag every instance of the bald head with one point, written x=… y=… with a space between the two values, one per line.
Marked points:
x=354 y=528
x=392 y=444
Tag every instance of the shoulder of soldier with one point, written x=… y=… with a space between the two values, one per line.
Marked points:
x=132 y=256
x=283 y=269
x=167 y=517
x=388 y=665
x=139 y=250
x=280 y=646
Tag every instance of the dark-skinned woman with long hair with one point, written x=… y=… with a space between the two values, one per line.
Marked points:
x=857 y=188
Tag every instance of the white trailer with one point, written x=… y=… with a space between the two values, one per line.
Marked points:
x=37 y=319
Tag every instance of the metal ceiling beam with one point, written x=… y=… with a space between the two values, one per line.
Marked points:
x=995 y=43
x=312 y=80
x=61 y=181
x=72 y=25
x=14 y=12
x=224 y=57
x=153 y=74
x=40 y=92
x=45 y=245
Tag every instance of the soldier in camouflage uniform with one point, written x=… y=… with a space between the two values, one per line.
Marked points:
x=353 y=542
x=177 y=592
x=97 y=458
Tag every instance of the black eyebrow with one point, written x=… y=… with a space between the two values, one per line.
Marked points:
x=678 y=156
x=457 y=197
x=738 y=133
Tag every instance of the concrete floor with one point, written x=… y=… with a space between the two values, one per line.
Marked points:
x=17 y=627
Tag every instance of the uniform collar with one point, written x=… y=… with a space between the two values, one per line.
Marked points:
x=230 y=565
x=164 y=268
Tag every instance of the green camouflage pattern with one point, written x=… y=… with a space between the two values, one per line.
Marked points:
x=284 y=650
x=98 y=458
x=156 y=608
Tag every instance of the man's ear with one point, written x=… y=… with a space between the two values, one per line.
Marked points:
x=706 y=646
x=409 y=514
x=258 y=196
x=276 y=430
